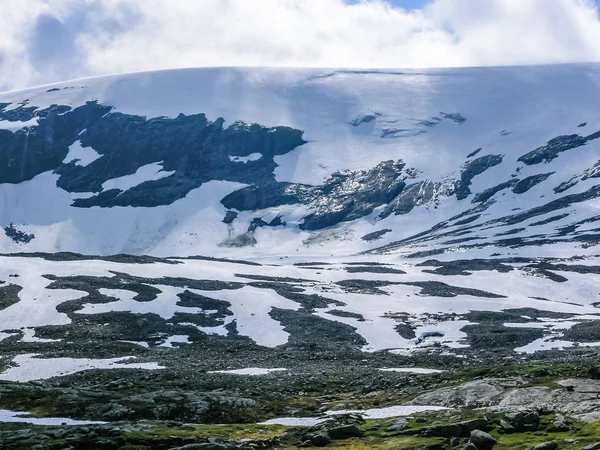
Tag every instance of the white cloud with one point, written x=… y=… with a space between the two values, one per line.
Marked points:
x=111 y=36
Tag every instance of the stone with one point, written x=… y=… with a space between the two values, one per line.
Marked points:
x=398 y=425
x=551 y=445
x=560 y=424
x=523 y=420
x=459 y=429
x=482 y=440
x=320 y=439
x=344 y=432
x=595 y=446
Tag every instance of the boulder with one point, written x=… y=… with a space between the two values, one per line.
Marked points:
x=459 y=429
x=204 y=446
x=595 y=446
x=546 y=446
x=559 y=424
x=398 y=425
x=344 y=432
x=319 y=439
x=482 y=440
x=520 y=421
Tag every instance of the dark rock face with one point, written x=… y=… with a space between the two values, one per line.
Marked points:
x=375 y=235
x=194 y=148
x=36 y=149
x=556 y=146
x=592 y=172
x=471 y=170
x=489 y=193
x=350 y=195
x=345 y=196
x=417 y=194
x=524 y=185
x=18 y=236
x=9 y=295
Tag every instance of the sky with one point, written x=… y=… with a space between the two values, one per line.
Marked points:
x=43 y=41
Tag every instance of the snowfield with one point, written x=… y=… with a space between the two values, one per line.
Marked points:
x=402 y=211
x=350 y=121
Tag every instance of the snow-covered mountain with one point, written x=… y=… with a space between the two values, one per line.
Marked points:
x=254 y=162
x=284 y=245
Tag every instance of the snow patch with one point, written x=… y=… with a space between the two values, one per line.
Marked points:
x=149 y=172
x=7 y=416
x=30 y=368
x=251 y=371
x=245 y=159
x=81 y=156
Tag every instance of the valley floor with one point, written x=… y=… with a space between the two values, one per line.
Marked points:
x=365 y=353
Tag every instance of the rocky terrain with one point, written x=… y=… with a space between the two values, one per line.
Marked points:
x=280 y=259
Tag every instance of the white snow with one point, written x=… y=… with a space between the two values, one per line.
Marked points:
x=7 y=416
x=177 y=339
x=81 y=156
x=323 y=103
x=415 y=370
x=149 y=172
x=17 y=125
x=384 y=413
x=245 y=159
x=295 y=421
x=376 y=413
x=251 y=307
x=30 y=368
x=251 y=371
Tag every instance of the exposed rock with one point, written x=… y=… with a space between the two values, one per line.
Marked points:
x=560 y=424
x=474 y=394
x=555 y=146
x=204 y=446
x=471 y=170
x=482 y=440
x=459 y=429
x=595 y=446
x=520 y=421
x=526 y=184
x=398 y=425
x=551 y=445
x=344 y=432
x=417 y=194
x=319 y=439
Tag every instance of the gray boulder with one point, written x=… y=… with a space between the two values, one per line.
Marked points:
x=546 y=446
x=560 y=424
x=482 y=440
x=398 y=425
x=520 y=421
x=319 y=439
x=459 y=429
x=344 y=432
x=595 y=446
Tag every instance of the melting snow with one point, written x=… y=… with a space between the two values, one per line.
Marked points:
x=415 y=370
x=30 y=368
x=384 y=413
x=81 y=156
x=252 y=371
x=22 y=417
x=245 y=159
x=149 y=172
